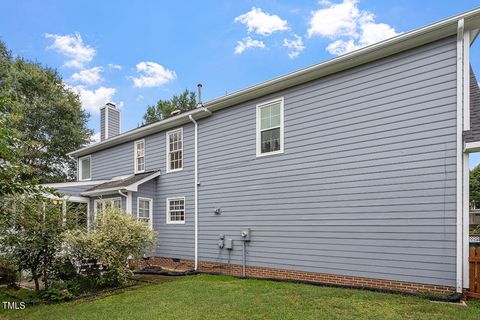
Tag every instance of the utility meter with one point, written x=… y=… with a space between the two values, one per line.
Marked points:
x=245 y=234
x=221 y=241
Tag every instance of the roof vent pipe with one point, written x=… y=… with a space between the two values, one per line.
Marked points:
x=199 y=86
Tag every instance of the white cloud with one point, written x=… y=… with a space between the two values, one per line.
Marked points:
x=72 y=46
x=152 y=74
x=347 y=26
x=248 y=43
x=339 y=47
x=140 y=97
x=115 y=66
x=88 y=76
x=262 y=23
x=96 y=137
x=295 y=46
x=92 y=100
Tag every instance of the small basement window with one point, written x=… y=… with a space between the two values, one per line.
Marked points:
x=270 y=128
x=84 y=168
x=175 y=150
x=176 y=210
x=139 y=156
x=144 y=210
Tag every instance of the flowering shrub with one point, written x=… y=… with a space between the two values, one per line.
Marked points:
x=116 y=237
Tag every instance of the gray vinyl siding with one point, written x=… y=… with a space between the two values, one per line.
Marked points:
x=365 y=186
x=113 y=162
x=174 y=240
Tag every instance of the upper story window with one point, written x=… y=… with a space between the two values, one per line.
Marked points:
x=139 y=156
x=85 y=168
x=176 y=210
x=145 y=210
x=270 y=128
x=175 y=150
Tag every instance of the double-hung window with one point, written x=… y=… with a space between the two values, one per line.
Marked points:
x=176 y=210
x=270 y=128
x=139 y=156
x=145 y=210
x=175 y=150
x=84 y=168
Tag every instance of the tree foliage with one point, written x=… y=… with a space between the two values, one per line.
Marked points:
x=164 y=108
x=31 y=229
x=12 y=148
x=475 y=185
x=48 y=115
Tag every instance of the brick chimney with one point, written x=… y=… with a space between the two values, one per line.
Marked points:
x=109 y=121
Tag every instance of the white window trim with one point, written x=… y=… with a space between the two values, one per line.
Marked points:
x=79 y=164
x=150 y=205
x=167 y=142
x=168 y=210
x=104 y=200
x=135 y=156
x=282 y=125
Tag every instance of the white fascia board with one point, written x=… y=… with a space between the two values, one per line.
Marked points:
x=102 y=192
x=472 y=146
x=134 y=186
x=74 y=184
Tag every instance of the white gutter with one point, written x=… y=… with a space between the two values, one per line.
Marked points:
x=459 y=162
x=196 y=190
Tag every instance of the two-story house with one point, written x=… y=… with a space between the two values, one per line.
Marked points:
x=353 y=171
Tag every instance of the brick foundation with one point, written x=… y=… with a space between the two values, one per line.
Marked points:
x=283 y=274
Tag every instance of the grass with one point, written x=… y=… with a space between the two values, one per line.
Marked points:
x=223 y=297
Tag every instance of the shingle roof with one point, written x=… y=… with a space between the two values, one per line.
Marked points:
x=122 y=183
x=474 y=133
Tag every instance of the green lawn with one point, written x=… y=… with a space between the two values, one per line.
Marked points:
x=223 y=297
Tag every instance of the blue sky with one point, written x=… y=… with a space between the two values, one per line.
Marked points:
x=135 y=52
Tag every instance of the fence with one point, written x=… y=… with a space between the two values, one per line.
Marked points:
x=474 y=261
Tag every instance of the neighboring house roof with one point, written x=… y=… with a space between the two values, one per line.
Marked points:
x=129 y=183
x=402 y=42
x=473 y=134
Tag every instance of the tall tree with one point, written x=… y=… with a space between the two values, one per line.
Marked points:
x=49 y=116
x=164 y=108
x=475 y=186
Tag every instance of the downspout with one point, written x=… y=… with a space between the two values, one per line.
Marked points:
x=128 y=202
x=466 y=171
x=196 y=191
x=459 y=159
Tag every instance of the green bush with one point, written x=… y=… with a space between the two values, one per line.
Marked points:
x=57 y=292
x=8 y=272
